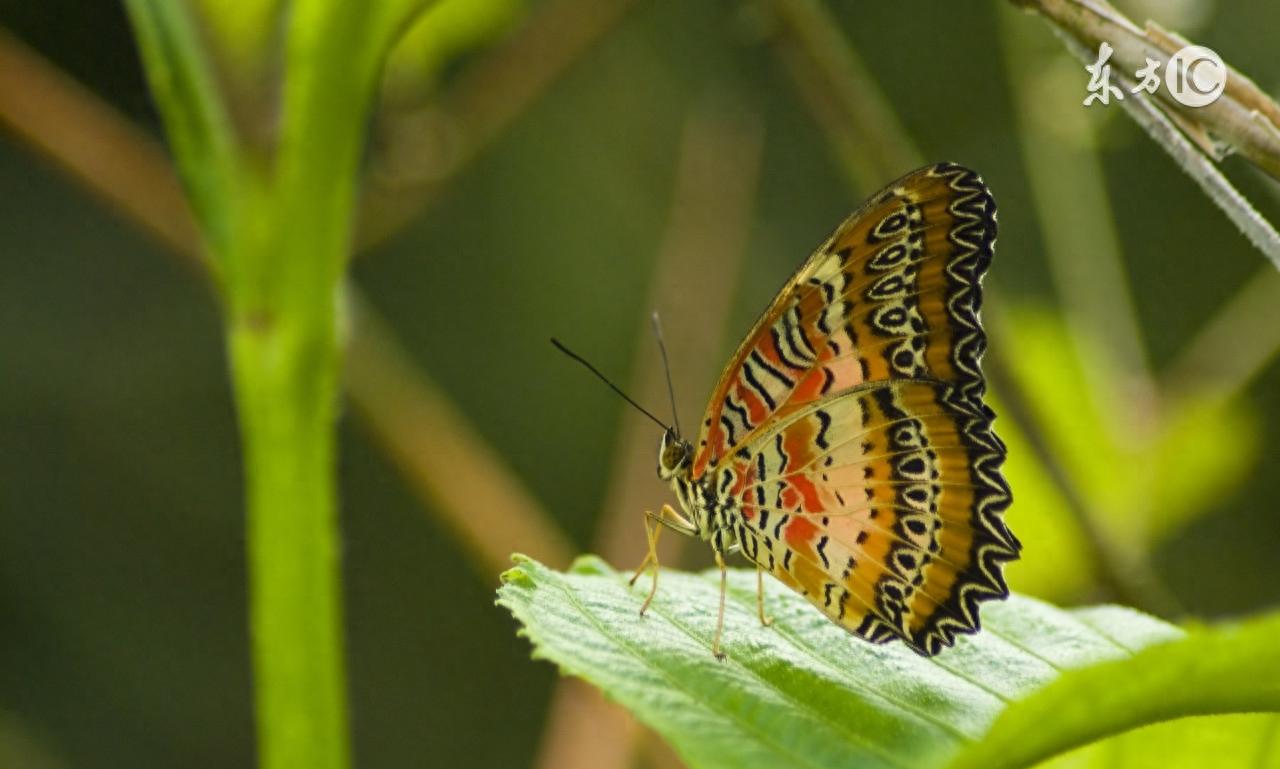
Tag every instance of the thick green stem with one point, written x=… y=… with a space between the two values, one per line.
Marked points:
x=277 y=222
x=292 y=239
x=286 y=387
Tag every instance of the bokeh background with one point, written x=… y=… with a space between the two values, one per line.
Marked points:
x=564 y=168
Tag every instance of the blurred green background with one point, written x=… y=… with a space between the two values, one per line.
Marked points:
x=122 y=590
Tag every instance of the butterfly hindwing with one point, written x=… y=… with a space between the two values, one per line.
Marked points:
x=882 y=506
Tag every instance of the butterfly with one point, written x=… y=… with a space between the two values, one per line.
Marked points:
x=846 y=449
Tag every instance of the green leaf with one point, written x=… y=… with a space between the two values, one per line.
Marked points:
x=804 y=693
x=1251 y=740
x=1235 y=669
x=201 y=137
x=439 y=34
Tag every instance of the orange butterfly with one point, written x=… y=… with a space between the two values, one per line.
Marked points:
x=846 y=449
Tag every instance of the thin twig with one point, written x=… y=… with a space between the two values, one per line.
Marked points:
x=1244 y=117
x=1205 y=172
x=1080 y=24
x=696 y=272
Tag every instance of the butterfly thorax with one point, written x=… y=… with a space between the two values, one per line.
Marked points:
x=712 y=514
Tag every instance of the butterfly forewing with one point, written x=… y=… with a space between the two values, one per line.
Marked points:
x=892 y=294
x=850 y=424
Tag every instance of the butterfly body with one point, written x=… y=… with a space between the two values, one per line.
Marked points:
x=712 y=516
x=846 y=449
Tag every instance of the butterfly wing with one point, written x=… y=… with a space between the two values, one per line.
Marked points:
x=882 y=505
x=892 y=294
x=850 y=423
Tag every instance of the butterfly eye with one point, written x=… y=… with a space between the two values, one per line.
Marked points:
x=673 y=454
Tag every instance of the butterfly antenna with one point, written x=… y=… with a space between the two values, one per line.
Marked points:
x=666 y=367
x=605 y=379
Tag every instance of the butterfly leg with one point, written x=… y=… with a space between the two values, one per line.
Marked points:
x=654 y=523
x=764 y=620
x=651 y=558
x=651 y=533
x=724 y=586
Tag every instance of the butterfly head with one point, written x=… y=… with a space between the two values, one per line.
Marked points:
x=674 y=455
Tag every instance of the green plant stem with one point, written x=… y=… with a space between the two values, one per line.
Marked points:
x=290 y=246
x=284 y=262
x=277 y=220
x=285 y=375
x=284 y=363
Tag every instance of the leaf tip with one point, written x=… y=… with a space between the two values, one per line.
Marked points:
x=517 y=575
